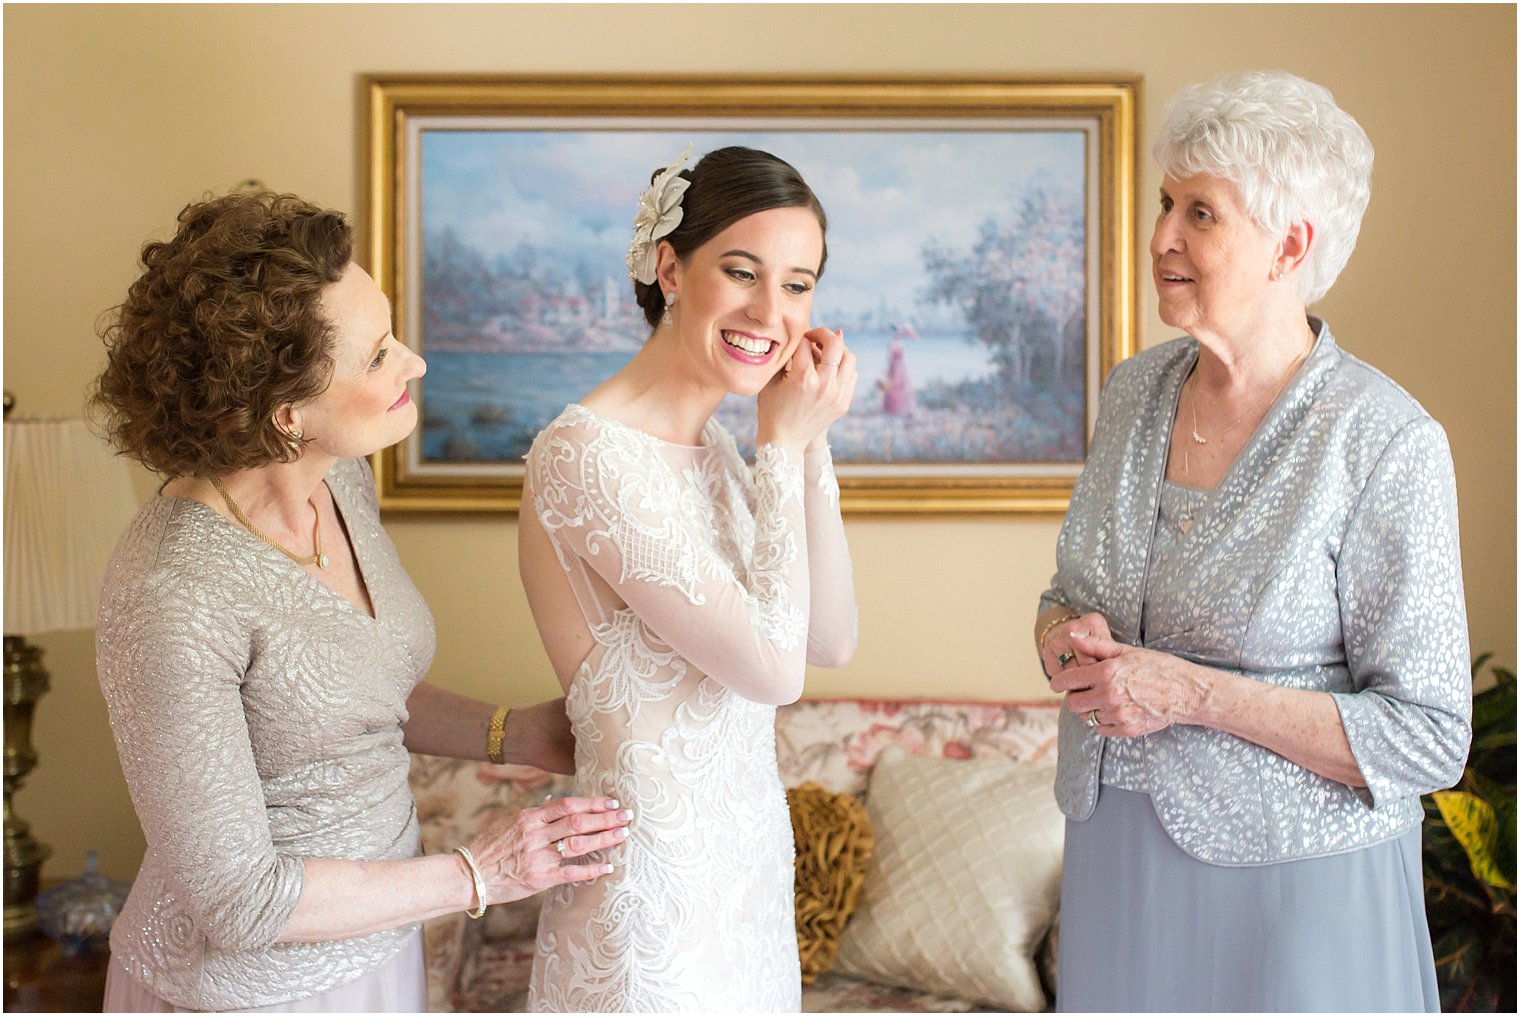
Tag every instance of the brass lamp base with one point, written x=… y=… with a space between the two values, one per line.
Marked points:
x=25 y=682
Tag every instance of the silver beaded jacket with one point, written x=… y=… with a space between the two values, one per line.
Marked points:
x=258 y=717
x=1326 y=560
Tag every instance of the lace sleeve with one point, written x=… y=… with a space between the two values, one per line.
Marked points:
x=608 y=501
x=833 y=625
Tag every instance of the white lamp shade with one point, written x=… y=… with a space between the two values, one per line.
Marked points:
x=67 y=500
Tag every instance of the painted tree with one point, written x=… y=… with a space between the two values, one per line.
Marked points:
x=457 y=285
x=462 y=290
x=1022 y=285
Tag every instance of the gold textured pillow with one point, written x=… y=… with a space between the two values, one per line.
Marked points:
x=965 y=881
x=832 y=834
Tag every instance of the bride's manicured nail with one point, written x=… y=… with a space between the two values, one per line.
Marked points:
x=612 y=804
x=606 y=869
x=626 y=816
x=621 y=834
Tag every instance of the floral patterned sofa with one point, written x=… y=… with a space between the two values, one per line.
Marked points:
x=483 y=966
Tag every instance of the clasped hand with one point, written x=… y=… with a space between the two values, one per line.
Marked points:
x=809 y=393
x=1128 y=690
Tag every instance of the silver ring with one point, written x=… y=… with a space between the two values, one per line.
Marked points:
x=1092 y=719
x=826 y=363
x=559 y=845
x=1066 y=658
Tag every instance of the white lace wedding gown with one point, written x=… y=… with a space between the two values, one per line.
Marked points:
x=698 y=588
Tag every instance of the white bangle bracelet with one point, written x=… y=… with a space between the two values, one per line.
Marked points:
x=480 y=884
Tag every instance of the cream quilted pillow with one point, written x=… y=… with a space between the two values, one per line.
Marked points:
x=964 y=882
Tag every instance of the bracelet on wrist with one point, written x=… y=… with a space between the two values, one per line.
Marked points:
x=480 y=884
x=1051 y=625
x=496 y=733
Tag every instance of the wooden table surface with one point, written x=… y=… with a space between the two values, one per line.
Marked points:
x=40 y=978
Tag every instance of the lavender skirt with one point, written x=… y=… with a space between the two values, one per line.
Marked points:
x=1145 y=927
x=397 y=985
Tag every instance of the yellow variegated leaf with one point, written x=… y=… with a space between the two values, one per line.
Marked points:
x=1473 y=822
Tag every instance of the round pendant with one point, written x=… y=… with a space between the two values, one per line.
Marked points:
x=321 y=560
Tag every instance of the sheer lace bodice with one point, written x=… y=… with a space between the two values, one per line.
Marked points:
x=699 y=589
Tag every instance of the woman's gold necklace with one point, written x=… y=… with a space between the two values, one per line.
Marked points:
x=1186 y=522
x=1272 y=394
x=319 y=559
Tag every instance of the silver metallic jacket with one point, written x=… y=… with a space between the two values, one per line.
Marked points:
x=1326 y=560
x=258 y=716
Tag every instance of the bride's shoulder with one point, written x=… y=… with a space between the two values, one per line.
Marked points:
x=580 y=440
x=575 y=425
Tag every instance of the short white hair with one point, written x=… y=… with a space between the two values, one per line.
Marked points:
x=1294 y=155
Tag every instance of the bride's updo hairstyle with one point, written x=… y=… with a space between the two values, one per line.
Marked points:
x=727 y=185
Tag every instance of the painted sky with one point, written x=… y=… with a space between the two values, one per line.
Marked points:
x=885 y=192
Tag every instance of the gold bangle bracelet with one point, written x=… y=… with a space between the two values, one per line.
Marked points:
x=496 y=733
x=1051 y=625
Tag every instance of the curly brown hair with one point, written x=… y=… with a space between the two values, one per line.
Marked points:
x=223 y=327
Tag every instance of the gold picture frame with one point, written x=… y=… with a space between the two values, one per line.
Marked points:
x=407 y=114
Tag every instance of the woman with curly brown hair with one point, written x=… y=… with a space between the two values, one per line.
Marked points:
x=262 y=650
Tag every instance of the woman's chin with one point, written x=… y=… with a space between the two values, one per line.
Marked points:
x=1174 y=317
x=400 y=424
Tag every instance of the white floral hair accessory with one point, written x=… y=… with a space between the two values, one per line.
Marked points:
x=659 y=215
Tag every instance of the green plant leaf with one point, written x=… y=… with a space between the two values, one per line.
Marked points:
x=1479 y=785
x=1493 y=726
x=1472 y=919
x=1494 y=716
x=1475 y=825
x=1504 y=850
x=1457 y=953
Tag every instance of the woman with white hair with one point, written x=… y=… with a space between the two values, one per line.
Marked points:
x=1257 y=616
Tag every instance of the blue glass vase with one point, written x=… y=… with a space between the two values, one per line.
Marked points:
x=77 y=914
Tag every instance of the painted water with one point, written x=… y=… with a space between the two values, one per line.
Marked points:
x=948 y=233
x=487 y=407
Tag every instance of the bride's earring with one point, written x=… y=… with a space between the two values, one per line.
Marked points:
x=667 y=320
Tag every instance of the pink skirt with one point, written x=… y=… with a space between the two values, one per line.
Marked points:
x=397 y=985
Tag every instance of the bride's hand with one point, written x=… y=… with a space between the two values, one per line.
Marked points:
x=812 y=391
x=516 y=852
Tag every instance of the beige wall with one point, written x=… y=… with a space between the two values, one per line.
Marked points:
x=115 y=117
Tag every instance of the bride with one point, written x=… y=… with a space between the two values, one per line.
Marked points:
x=680 y=594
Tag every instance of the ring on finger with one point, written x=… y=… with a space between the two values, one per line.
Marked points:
x=1066 y=658
x=1092 y=719
x=559 y=846
x=826 y=363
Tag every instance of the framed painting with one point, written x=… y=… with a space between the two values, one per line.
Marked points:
x=981 y=266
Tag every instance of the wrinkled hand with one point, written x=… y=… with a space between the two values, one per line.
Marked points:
x=812 y=391
x=1133 y=691
x=1059 y=640
x=515 y=851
